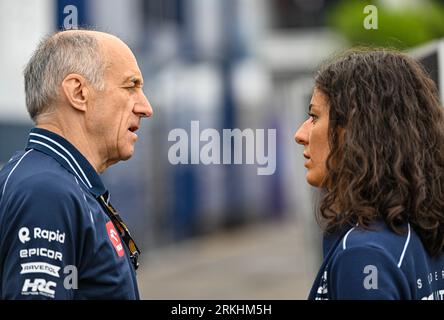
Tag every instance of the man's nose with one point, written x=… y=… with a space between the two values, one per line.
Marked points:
x=301 y=135
x=143 y=107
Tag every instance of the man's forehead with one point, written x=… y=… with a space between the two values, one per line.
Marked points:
x=119 y=59
x=123 y=71
x=122 y=62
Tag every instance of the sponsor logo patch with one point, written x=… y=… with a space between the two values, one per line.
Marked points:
x=41 y=252
x=23 y=235
x=39 y=287
x=115 y=239
x=39 y=233
x=40 y=267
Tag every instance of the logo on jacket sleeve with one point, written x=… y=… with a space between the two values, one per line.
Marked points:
x=39 y=233
x=39 y=287
x=40 y=267
x=115 y=239
x=23 y=235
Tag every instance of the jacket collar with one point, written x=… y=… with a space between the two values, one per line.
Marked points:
x=68 y=156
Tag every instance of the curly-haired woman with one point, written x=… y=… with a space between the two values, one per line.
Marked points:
x=374 y=143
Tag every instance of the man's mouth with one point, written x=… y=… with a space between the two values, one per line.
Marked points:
x=133 y=128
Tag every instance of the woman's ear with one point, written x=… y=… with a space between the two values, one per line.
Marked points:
x=75 y=90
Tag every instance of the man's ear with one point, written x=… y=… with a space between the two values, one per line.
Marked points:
x=74 y=87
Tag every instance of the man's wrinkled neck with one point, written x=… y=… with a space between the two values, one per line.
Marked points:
x=80 y=141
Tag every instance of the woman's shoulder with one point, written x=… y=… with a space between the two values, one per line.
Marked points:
x=378 y=239
x=366 y=265
x=377 y=235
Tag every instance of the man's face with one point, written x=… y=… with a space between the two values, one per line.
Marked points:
x=313 y=135
x=117 y=110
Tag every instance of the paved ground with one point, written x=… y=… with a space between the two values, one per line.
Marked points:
x=272 y=261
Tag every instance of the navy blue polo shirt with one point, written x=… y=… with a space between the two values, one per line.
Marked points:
x=56 y=242
x=378 y=264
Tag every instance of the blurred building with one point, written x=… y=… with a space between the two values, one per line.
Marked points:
x=228 y=64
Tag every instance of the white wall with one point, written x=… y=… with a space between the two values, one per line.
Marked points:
x=22 y=24
x=119 y=17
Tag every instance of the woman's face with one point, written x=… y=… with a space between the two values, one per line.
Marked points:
x=313 y=135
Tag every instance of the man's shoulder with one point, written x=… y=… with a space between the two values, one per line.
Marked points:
x=44 y=194
x=35 y=172
x=48 y=181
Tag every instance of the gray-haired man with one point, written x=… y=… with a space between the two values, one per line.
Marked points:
x=59 y=236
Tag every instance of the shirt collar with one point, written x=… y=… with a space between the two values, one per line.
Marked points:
x=68 y=156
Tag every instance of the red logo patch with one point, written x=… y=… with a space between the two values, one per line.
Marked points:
x=115 y=239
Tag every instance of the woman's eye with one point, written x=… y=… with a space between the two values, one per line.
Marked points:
x=313 y=117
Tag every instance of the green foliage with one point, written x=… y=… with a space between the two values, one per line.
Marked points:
x=401 y=29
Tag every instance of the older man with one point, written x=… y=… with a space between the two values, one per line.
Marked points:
x=60 y=238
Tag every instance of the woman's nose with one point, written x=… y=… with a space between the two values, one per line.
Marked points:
x=301 y=135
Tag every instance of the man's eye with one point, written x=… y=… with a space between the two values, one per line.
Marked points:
x=134 y=86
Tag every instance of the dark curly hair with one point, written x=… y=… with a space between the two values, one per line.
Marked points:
x=386 y=136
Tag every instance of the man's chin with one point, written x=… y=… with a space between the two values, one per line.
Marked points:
x=126 y=153
x=127 y=156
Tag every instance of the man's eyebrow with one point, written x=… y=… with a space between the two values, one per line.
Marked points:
x=136 y=79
